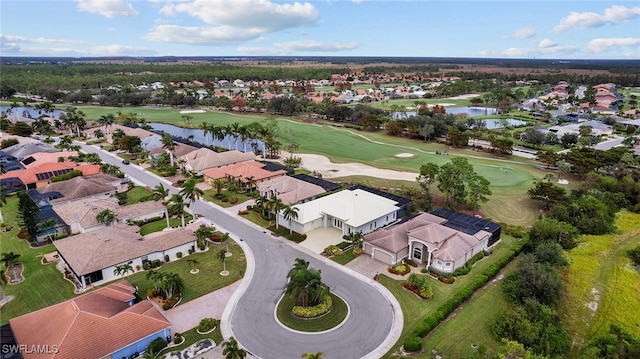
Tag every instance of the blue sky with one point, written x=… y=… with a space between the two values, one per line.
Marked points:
x=558 y=29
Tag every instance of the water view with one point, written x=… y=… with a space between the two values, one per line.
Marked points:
x=198 y=136
x=494 y=123
x=29 y=112
x=471 y=111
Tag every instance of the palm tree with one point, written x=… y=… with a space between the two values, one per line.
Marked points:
x=106 y=121
x=235 y=129
x=168 y=145
x=218 y=133
x=225 y=239
x=45 y=107
x=250 y=183
x=47 y=226
x=106 y=216
x=231 y=350
x=123 y=269
x=177 y=206
x=222 y=256
x=9 y=258
x=205 y=131
x=172 y=284
x=160 y=193
x=194 y=264
x=305 y=284
x=218 y=184
x=261 y=202
x=156 y=278
x=289 y=213
x=228 y=131
x=191 y=191
x=317 y=355
x=275 y=204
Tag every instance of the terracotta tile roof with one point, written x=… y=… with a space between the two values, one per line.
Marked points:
x=38 y=158
x=29 y=175
x=88 y=252
x=243 y=170
x=290 y=190
x=93 y=325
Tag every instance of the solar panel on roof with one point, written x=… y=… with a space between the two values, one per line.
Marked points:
x=468 y=224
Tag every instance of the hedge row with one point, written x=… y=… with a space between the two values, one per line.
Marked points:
x=315 y=311
x=446 y=308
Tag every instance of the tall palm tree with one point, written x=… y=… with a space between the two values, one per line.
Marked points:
x=202 y=233
x=106 y=121
x=168 y=145
x=222 y=256
x=235 y=129
x=305 y=284
x=177 y=206
x=218 y=133
x=274 y=205
x=123 y=269
x=231 y=350
x=243 y=132
x=289 y=213
x=191 y=191
x=47 y=226
x=251 y=182
x=225 y=239
x=45 y=107
x=205 y=131
x=173 y=285
x=160 y=193
x=228 y=131
x=261 y=202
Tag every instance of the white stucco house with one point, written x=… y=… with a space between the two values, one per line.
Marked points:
x=93 y=256
x=351 y=210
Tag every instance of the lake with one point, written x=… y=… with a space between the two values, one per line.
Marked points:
x=198 y=136
x=494 y=123
x=471 y=111
x=29 y=112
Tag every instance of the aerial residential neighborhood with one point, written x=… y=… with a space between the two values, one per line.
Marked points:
x=259 y=179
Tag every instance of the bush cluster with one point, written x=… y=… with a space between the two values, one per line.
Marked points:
x=333 y=250
x=315 y=311
x=400 y=269
x=157 y=345
x=207 y=324
x=412 y=343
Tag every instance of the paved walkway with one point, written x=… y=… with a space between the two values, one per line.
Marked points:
x=369 y=267
x=320 y=238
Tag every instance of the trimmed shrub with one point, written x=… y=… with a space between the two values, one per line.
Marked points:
x=315 y=311
x=146 y=265
x=157 y=345
x=156 y=263
x=179 y=254
x=401 y=269
x=190 y=251
x=424 y=270
x=474 y=259
x=357 y=251
x=166 y=258
x=207 y=324
x=461 y=271
x=411 y=262
x=333 y=250
x=412 y=343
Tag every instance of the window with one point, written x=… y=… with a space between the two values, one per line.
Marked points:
x=417 y=253
x=448 y=264
x=439 y=262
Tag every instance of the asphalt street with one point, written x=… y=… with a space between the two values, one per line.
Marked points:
x=374 y=322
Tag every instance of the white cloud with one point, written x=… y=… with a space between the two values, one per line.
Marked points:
x=260 y=14
x=120 y=50
x=523 y=33
x=602 y=45
x=230 y=22
x=107 y=8
x=289 y=47
x=215 y=36
x=546 y=43
x=37 y=40
x=587 y=20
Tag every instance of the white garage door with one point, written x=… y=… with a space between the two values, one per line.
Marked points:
x=382 y=257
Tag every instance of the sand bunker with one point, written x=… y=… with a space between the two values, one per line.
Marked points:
x=404 y=155
x=192 y=111
x=329 y=169
x=463 y=97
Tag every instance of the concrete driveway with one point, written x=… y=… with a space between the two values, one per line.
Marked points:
x=320 y=238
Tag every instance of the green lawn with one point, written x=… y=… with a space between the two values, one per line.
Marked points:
x=472 y=324
x=601 y=286
x=191 y=336
x=345 y=258
x=137 y=193
x=330 y=320
x=211 y=196
x=207 y=280
x=43 y=286
x=415 y=309
x=161 y=224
